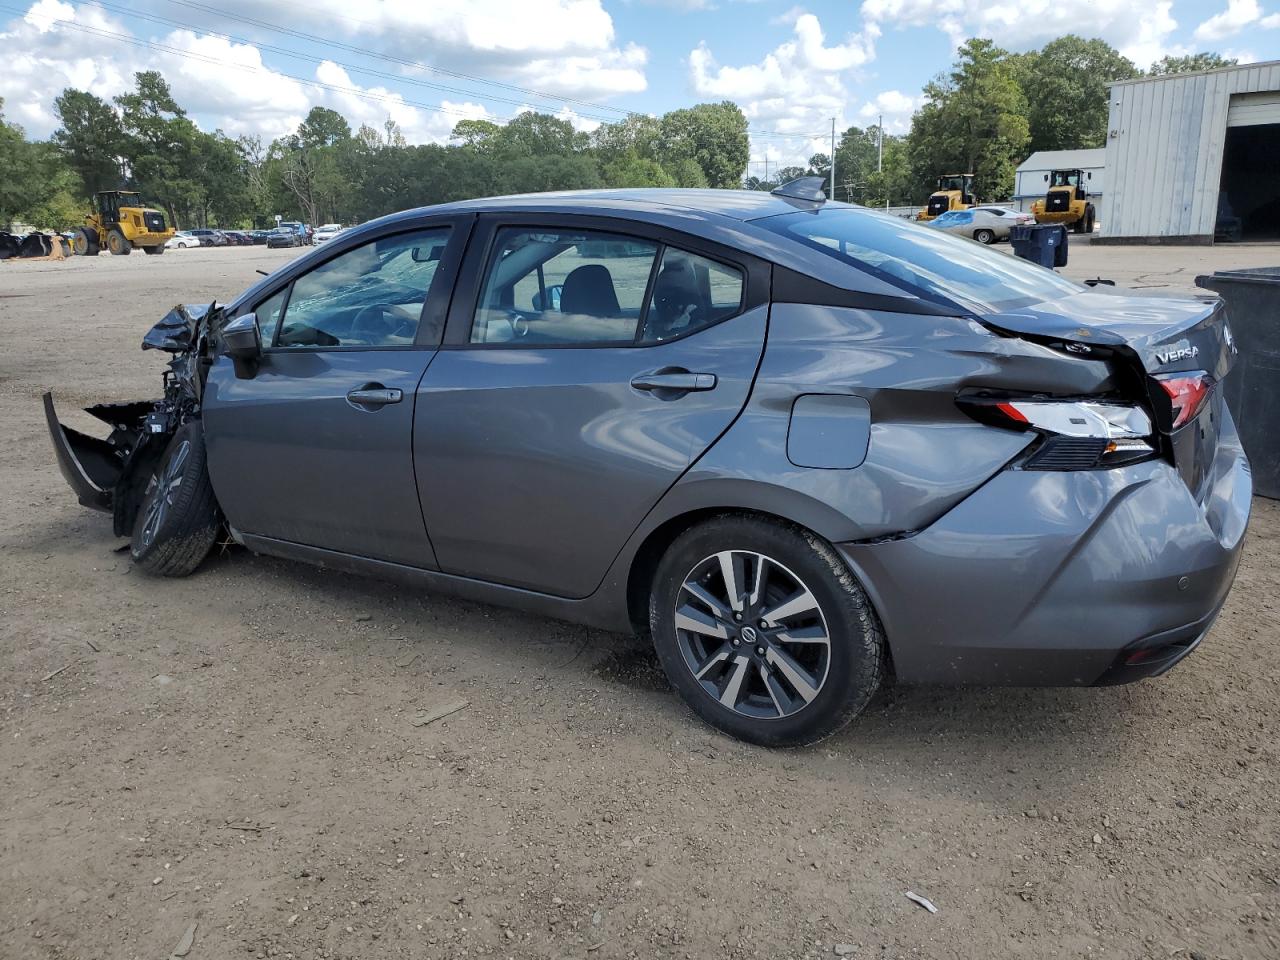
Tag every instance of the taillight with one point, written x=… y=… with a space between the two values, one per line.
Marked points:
x=1187 y=393
x=1078 y=434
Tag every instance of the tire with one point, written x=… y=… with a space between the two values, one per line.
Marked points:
x=117 y=244
x=986 y=237
x=735 y=655
x=86 y=243
x=172 y=535
x=154 y=251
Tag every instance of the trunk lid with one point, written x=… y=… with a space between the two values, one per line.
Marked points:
x=1150 y=337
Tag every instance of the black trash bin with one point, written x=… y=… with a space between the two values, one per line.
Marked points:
x=1252 y=388
x=1042 y=243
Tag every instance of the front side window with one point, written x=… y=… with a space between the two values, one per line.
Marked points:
x=923 y=261
x=554 y=286
x=371 y=296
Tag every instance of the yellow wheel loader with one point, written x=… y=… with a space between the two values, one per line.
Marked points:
x=119 y=222
x=1067 y=201
x=955 y=192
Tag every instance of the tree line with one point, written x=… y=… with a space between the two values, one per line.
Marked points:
x=984 y=116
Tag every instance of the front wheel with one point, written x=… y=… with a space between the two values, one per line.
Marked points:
x=987 y=237
x=118 y=245
x=85 y=243
x=178 y=519
x=764 y=631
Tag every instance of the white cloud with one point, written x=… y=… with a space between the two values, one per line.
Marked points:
x=1238 y=15
x=793 y=91
x=225 y=84
x=1140 y=31
x=894 y=106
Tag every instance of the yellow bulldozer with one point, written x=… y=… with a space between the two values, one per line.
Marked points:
x=119 y=222
x=1067 y=201
x=955 y=192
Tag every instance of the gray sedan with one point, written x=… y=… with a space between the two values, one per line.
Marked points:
x=984 y=224
x=803 y=446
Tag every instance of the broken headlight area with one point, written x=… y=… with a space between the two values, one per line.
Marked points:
x=111 y=473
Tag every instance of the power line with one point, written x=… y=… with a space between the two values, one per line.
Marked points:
x=217 y=61
x=365 y=51
x=311 y=58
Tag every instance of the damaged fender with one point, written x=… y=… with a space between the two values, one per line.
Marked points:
x=111 y=475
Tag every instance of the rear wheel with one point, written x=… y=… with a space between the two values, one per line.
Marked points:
x=155 y=251
x=764 y=632
x=118 y=245
x=178 y=519
x=85 y=243
x=985 y=236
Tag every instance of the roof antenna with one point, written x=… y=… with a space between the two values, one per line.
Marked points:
x=803 y=188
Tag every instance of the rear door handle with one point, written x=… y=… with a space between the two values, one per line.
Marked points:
x=375 y=395
x=683 y=382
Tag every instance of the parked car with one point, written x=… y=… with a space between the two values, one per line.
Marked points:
x=209 y=238
x=301 y=229
x=327 y=232
x=985 y=224
x=238 y=238
x=183 y=239
x=259 y=236
x=283 y=237
x=795 y=442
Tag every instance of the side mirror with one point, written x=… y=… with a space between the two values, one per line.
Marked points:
x=242 y=342
x=1089 y=175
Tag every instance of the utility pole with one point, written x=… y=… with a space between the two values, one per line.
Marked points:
x=833 y=158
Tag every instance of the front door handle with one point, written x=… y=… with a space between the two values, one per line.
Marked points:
x=374 y=395
x=683 y=381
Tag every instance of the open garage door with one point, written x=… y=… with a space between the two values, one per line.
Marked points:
x=1249 y=199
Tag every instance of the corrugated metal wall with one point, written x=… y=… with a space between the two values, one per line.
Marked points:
x=1164 y=150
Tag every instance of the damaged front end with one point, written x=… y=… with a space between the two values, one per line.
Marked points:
x=111 y=475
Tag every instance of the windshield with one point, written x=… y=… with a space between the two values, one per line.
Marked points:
x=1065 y=178
x=921 y=260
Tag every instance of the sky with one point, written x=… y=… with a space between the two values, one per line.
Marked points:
x=257 y=66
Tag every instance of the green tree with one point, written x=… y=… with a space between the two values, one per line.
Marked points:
x=638 y=134
x=1189 y=64
x=536 y=135
x=91 y=139
x=712 y=135
x=323 y=128
x=476 y=133
x=1065 y=85
x=38 y=187
x=974 y=121
x=633 y=170
x=160 y=145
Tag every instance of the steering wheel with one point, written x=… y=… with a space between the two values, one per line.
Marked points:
x=519 y=325
x=376 y=324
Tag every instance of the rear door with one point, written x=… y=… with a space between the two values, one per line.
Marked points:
x=587 y=363
x=316 y=446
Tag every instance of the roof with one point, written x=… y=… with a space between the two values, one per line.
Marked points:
x=1196 y=73
x=733 y=204
x=1065 y=159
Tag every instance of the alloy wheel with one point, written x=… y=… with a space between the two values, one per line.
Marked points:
x=753 y=634
x=161 y=492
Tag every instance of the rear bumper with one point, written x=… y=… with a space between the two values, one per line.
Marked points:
x=1063 y=579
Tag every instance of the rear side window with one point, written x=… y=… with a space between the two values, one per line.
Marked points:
x=690 y=293
x=563 y=287
x=923 y=260
x=573 y=287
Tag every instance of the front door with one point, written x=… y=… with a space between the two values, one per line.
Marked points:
x=590 y=369
x=315 y=447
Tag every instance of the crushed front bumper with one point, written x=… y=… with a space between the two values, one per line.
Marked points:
x=1071 y=578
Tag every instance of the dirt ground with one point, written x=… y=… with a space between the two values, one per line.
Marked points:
x=236 y=750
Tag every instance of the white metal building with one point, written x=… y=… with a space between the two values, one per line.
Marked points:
x=1193 y=152
x=1031 y=181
